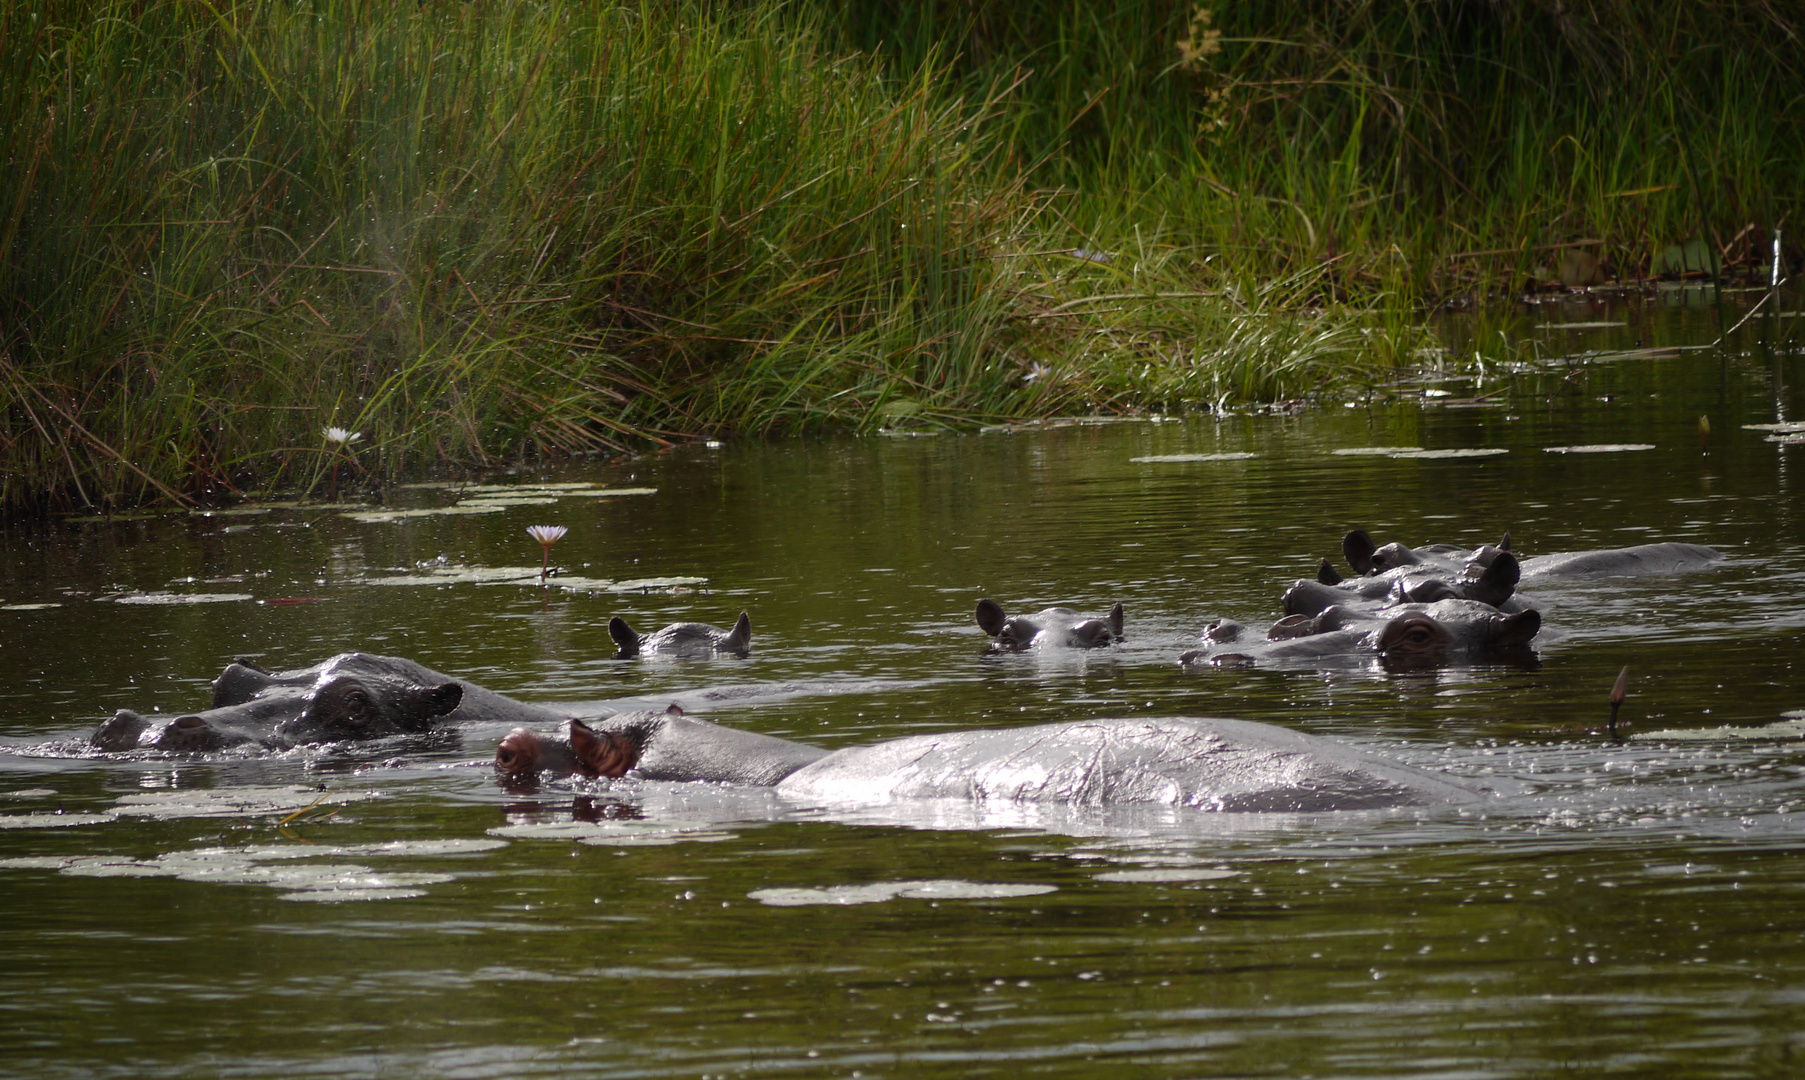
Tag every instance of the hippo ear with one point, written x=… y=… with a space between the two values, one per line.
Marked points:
x=1326 y=575
x=673 y=709
x=740 y=640
x=1504 y=544
x=1500 y=579
x=599 y=753
x=624 y=638
x=991 y=617
x=1518 y=629
x=1357 y=548
x=440 y=700
x=1115 y=620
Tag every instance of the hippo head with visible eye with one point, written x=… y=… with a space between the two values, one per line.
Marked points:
x=1055 y=626
x=351 y=696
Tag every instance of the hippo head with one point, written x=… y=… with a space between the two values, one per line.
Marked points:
x=348 y=706
x=1054 y=626
x=1425 y=638
x=611 y=752
x=351 y=697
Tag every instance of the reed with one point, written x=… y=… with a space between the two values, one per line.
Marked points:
x=1422 y=149
x=470 y=232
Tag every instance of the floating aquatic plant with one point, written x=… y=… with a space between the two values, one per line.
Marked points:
x=879 y=892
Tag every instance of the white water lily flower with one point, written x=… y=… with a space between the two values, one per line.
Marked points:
x=342 y=436
x=547 y=535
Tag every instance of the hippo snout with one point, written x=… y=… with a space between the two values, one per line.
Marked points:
x=122 y=732
x=192 y=734
x=523 y=755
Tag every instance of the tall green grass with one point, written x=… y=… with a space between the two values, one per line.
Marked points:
x=483 y=231
x=468 y=232
x=1420 y=148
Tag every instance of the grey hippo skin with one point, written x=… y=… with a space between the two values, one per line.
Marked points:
x=1401 y=636
x=1054 y=627
x=685 y=640
x=1667 y=557
x=350 y=696
x=1208 y=764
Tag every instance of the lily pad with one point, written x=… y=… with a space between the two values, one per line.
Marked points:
x=529 y=575
x=229 y=802
x=1598 y=448
x=1166 y=874
x=1476 y=452
x=494 y=498
x=46 y=820
x=879 y=892
x=169 y=598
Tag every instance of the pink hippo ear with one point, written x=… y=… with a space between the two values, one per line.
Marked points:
x=598 y=753
x=673 y=709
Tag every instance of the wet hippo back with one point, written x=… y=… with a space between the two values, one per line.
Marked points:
x=1210 y=764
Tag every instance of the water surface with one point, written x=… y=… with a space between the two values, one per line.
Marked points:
x=392 y=911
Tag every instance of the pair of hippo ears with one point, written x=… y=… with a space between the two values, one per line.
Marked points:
x=1358 y=549
x=992 y=618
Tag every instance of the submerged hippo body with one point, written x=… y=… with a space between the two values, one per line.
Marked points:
x=1208 y=764
x=350 y=696
x=1641 y=559
x=685 y=640
x=1667 y=557
x=1053 y=627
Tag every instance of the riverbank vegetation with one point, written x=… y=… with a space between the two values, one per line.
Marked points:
x=471 y=233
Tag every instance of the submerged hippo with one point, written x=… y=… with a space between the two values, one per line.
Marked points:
x=1492 y=582
x=685 y=640
x=1667 y=557
x=1208 y=764
x=1054 y=627
x=1401 y=636
x=1366 y=558
x=350 y=696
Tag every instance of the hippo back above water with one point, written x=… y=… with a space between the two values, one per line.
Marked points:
x=1206 y=764
x=1203 y=763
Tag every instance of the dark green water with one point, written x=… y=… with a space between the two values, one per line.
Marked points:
x=1638 y=913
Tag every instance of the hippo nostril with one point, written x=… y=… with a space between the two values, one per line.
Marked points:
x=189 y=723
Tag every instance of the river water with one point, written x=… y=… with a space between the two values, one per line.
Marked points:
x=392 y=911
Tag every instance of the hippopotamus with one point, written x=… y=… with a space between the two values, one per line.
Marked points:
x=1401 y=635
x=1667 y=557
x=1198 y=762
x=1491 y=582
x=1366 y=558
x=1054 y=627
x=350 y=696
x=686 y=640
